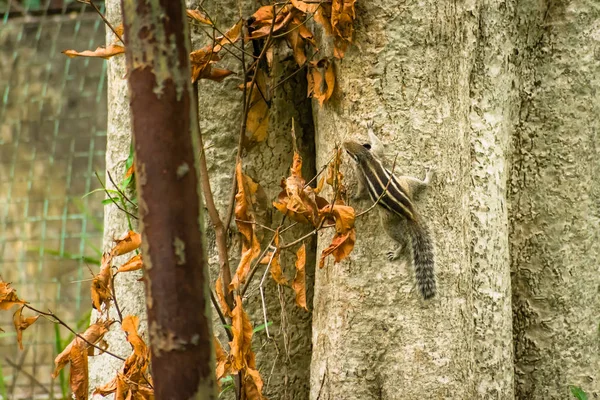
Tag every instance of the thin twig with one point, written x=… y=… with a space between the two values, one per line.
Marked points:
x=113 y=198
x=30 y=376
x=91 y=2
x=262 y=293
x=215 y=304
x=119 y=189
x=61 y=322
x=114 y=297
x=213 y=213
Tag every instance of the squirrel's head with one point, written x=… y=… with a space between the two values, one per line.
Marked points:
x=358 y=152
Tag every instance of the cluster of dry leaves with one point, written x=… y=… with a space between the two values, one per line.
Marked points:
x=133 y=381
x=301 y=203
x=287 y=21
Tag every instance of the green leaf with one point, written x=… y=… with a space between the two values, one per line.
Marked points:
x=578 y=393
x=110 y=200
x=261 y=327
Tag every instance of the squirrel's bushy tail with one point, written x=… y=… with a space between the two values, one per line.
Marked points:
x=422 y=258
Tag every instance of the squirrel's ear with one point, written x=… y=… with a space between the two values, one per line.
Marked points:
x=377 y=147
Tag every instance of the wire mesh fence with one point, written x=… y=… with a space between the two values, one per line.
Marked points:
x=52 y=142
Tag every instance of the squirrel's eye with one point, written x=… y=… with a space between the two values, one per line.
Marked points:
x=367 y=146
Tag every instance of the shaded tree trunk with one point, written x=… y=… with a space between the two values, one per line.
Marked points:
x=554 y=202
x=167 y=152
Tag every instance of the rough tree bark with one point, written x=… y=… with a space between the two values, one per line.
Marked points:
x=167 y=153
x=372 y=335
x=554 y=202
x=284 y=360
x=129 y=290
x=500 y=98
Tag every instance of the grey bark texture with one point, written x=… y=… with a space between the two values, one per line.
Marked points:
x=129 y=291
x=284 y=360
x=500 y=98
x=373 y=338
x=554 y=201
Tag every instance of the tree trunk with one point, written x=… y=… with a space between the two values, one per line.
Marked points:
x=167 y=154
x=129 y=290
x=554 y=201
x=423 y=76
x=284 y=360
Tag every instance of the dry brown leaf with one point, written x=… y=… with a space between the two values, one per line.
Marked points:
x=221 y=296
x=78 y=376
x=106 y=389
x=297 y=36
x=321 y=80
x=198 y=16
x=297 y=200
x=341 y=246
x=131 y=381
x=232 y=35
x=130 y=241
x=253 y=385
x=8 y=296
x=21 y=324
x=223 y=364
x=101 y=284
x=246 y=190
x=276 y=271
x=299 y=283
x=133 y=264
x=241 y=329
x=257 y=122
x=345 y=237
x=100 y=52
x=282 y=20
x=304 y=6
x=92 y=334
x=342 y=21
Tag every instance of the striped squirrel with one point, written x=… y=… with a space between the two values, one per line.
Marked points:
x=396 y=208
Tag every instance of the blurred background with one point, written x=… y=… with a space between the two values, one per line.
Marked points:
x=52 y=142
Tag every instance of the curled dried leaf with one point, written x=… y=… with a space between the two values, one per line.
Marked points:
x=223 y=364
x=93 y=334
x=298 y=200
x=257 y=122
x=133 y=264
x=276 y=271
x=101 y=284
x=246 y=190
x=345 y=237
x=198 y=16
x=101 y=52
x=240 y=345
x=342 y=21
x=321 y=80
x=130 y=241
x=253 y=385
x=22 y=323
x=8 y=296
x=299 y=283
